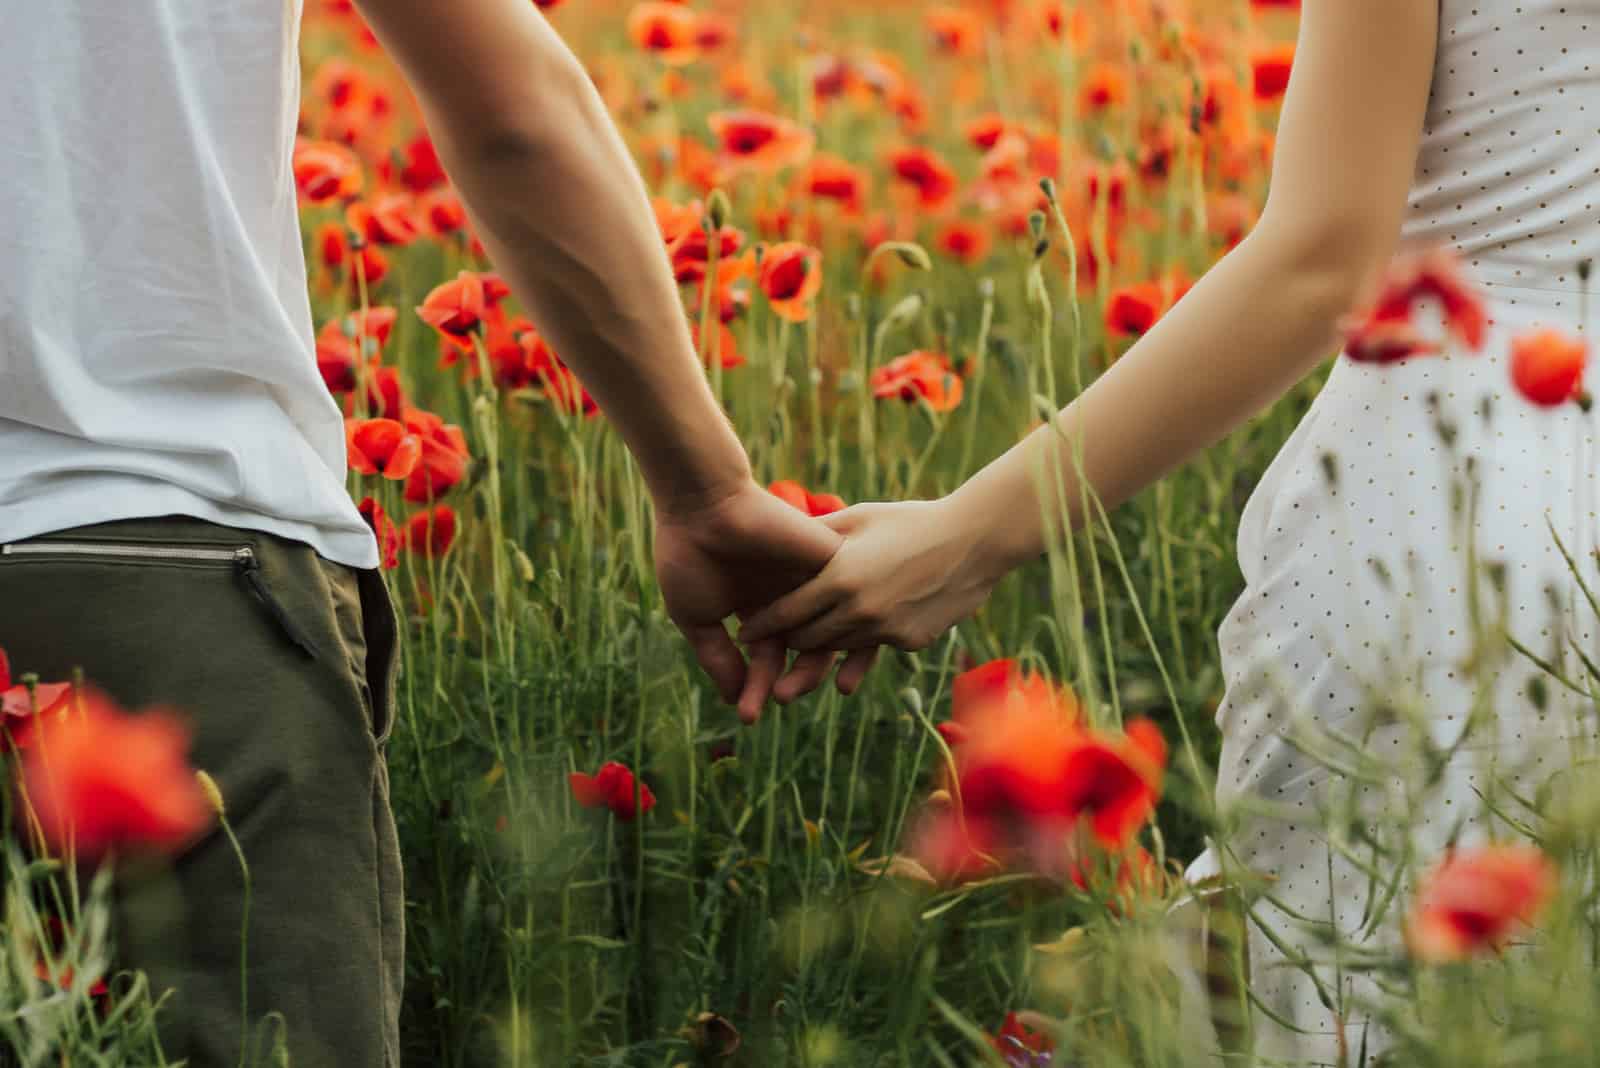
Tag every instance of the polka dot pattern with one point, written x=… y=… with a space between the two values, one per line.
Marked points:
x=1357 y=562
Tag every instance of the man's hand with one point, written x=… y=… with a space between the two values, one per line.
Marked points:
x=733 y=556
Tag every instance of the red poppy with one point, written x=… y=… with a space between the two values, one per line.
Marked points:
x=955 y=30
x=420 y=169
x=1476 y=899
x=791 y=276
x=926 y=172
x=727 y=347
x=1018 y=1044
x=832 y=178
x=554 y=378
x=385 y=220
x=324 y=170
x=21 y=707
x=758 y=141
x=1547 y=366
x=332 y=243
x=612 y=787
x=443 y=212
x=919 y=375
x=812 y=504
x=1270 y=69
x=1382 y=332
x=986 y=129
x=1104 y=87
x=381 y=447
x=101 y=779
x=1374 y=340
x=964 y=240
x=668 y=31
x=388 y=535
x=432 y=531
x=455 y=308
x=444 y=455
x=1115 y=780
x=1134 y=309
x=953 y=846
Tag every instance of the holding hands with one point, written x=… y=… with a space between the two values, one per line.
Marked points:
x=905 y=574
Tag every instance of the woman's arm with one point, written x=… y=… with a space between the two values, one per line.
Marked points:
x=1249 y=330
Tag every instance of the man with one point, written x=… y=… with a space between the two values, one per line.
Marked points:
x=171 y=500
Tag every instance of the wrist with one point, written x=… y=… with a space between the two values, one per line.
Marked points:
x=995 y=542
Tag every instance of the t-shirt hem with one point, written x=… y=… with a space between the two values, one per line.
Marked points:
x=357 y=549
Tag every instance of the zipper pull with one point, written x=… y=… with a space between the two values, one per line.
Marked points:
x=248 y=568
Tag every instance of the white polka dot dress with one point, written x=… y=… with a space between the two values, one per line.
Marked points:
x=1357 y=576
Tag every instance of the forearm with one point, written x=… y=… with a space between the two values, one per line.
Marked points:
x=564 y=214
x=567 y=222
x=1249 y=330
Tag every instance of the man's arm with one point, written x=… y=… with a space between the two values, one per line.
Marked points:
x=565 y=217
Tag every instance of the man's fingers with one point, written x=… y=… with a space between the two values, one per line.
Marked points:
x=790 y=611
x=719 y=657
x=766 y=664
x=803 y=676
x=854 y=669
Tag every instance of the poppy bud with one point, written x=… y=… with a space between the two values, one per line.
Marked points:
x=718 y=209
x=213 y=795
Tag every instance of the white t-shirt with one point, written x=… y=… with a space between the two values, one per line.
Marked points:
x=156 y=350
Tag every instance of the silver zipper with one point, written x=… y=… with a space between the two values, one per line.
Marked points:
x=242 y=555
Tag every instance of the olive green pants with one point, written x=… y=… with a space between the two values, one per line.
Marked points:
x=284 y=665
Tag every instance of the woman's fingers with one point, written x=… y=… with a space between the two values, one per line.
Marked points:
x=803 y=676
x=854 y=669
x=838 y=628
x=790 y=611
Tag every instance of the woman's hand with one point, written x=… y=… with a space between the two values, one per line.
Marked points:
x=905 y=574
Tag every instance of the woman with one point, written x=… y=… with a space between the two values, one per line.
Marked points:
x=1458 y=123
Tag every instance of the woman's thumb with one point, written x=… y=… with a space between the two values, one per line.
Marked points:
x=848 y=520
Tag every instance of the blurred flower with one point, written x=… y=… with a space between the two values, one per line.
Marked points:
x=326 y=171
x=387 y=534
x=1020 y=1046
x=1547 y=366
x=755 y=140
x=21 y=708
x=791 y=276
x=920 y=375
x=926 y=172
x=432 y=531
x=1270 y=69
x=957 y=31
x=1476 y=898
x=1382 y=332
x=812 y=504
x=388 y=219
x=668 y=31
x=964 y=240
x=101 y=778
x=455 y=308
x=612 y=787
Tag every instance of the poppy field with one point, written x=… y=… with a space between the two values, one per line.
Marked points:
x=903 y=233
